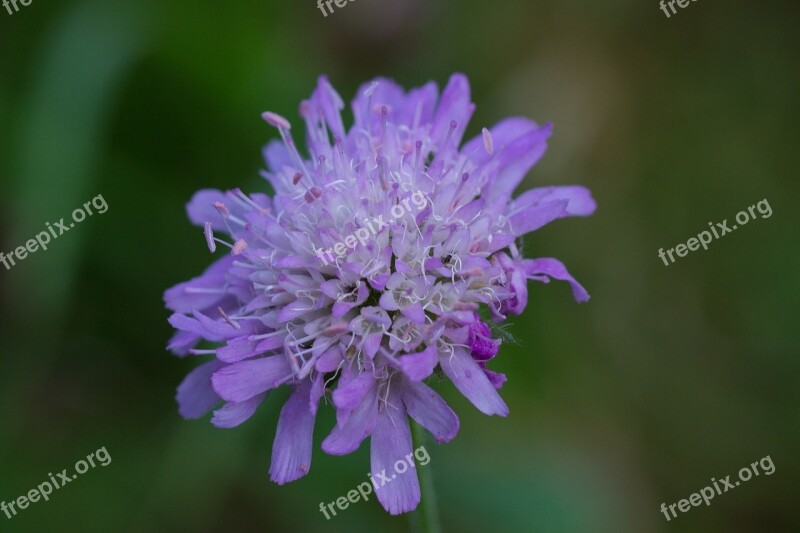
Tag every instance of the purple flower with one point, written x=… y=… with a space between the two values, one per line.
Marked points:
x=364 y=273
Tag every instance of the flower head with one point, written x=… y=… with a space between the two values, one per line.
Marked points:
x=363 y=274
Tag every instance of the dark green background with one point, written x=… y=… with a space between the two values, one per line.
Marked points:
x=667 y=377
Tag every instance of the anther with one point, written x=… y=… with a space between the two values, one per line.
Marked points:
x=239 y=247
x=223 y=210
x=488 y=142
x=275 y=120
x=209 y=233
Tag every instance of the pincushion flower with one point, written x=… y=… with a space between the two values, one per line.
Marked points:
x=364 y=274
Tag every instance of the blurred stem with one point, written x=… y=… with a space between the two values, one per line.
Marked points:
x=426 y=518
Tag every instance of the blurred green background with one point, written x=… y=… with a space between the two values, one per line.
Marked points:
x=668 y=377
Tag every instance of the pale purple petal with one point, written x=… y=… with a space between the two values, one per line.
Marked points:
x=241 y=381
x=291 y=451
x=391 y=442
x=430 y=411
x=534 y=218
x=547 y=266
x=470 y=380
x=234 y=414
x=195 y=396
x=346 y=438
x=418 y=366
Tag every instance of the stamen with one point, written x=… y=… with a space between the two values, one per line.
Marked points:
x=227 y=319
x=275 y=120
x=209 y=233
x=220 y=207
x=384 y=117
x=454 y=203
x=202 y=352
x=453 y=126
x=239 y=247
x=198 y=290
x=417 y=158
x=488 y=142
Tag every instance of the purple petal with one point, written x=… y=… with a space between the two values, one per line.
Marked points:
x=195 y=395
x=205 y=327
x=330 y=360
x=497 y=379
x=238 y=349
x=414 y=312
x=503 y=133
x=515 y=161
x=579 y=199
x=391 y=443
x=419 y=366
x=241 y=381
x=234 y=414
x=532 y=219
x=430 y=411
x=181 y=342
x=470 y=380
x=348 y=437
x=201 y=292
x=200 y=208
x=291 y=451
x=350 y=394
x=454 y=105
x=317 y=392
x=547 y=266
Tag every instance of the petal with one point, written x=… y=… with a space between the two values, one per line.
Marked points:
x=350 y=394
x=348 y=437
x=372 y=95
x=195 y=395
x=503 y=133
x=201 y=292
x=515 y=161
x=390 y=444
x=414 y=312
x=579 y=199
x=497 y=379
x=330 y=360
x=547 y=266
x=234 y=414
x=291 y=451
x=388 y=302
x=454 y=105
x=532 y=219
x=241 y=381
x=419 y=366
x=470 y=380
x=238 y=349
x=181 y=342
x=372 y=343
x=331 y=104
x=317 y=392
x=200 y=208
x=430 y=411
